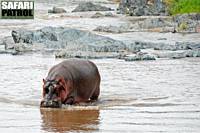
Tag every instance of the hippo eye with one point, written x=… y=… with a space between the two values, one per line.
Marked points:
x=47 y=90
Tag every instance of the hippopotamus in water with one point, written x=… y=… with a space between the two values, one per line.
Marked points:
x=69 y=82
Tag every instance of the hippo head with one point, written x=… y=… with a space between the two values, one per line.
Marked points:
x=54 y=94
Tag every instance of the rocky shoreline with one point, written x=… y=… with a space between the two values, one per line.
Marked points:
x=65 y=42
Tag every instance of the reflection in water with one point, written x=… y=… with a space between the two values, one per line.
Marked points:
x=60 y=120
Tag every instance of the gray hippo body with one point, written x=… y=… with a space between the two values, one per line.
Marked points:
x=71 y=81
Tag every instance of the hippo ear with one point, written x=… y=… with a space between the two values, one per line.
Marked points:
x=44 y=81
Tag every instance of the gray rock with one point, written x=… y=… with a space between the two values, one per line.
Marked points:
x=89 y=6
x=177 y=46
x=57 y=10
x=8 y=42
x=142 y=7
x=187 y=45
x=177 y=54
x=22 y=47
x=187 y=22
x=140 y=56
x=115 y=29
x=67 y=38
x=111 y=29
x=150 y=23
x=97 y=15
x=160 y=7
x=109 y=14
x=86 y=54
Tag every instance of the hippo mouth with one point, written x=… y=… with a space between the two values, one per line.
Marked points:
x=51 y=104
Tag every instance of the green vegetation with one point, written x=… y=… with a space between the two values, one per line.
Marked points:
x=183 y=6
x=183 y=26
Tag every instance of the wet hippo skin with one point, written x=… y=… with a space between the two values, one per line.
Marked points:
x=70 y=82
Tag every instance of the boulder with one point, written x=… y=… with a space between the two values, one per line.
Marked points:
x=57 y=10
x=86 y=54
x=89 y=6
x=140 y=56
x=178 y=46
x=187 y=22
x=142 y=7
x=111 y=29
x=176 y=54
x=97 y=15
x=68 y=38
x=150 y=23
x=22 y=47
x=8 y=42
x=109 y=14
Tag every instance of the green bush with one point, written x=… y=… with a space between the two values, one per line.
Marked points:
x=183 y=6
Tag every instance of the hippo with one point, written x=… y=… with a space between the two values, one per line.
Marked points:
x=71 y=82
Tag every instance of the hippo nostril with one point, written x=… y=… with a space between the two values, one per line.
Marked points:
x=51 y=103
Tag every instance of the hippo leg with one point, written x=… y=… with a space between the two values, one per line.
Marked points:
x=95 y=95
x=69 y=101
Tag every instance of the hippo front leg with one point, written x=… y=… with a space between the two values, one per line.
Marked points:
x=75 y=100
x=69 y=100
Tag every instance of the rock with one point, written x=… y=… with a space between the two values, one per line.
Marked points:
x=187 y=22
x=177 y=46
x=97 y=15
x=91 y=54
x=2 y=47
x=168 y=29
x=8 y=42
x=86 y=54
x=109 y=14
x=57 y=10
x=183 y=54
x=150 y=23
x=23 y=36
x=114 y=29
x=89 y=6
x=160 y=7
x=187 y=45
x=27 y=36
x=22 y=47
x=140 y=56
x=67 y=38
x=176 y=54
x=142 y=7
x=110 y=29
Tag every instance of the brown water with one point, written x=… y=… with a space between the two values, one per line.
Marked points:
x=147 y=96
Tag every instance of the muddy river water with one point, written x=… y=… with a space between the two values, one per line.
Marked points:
x=147 y=96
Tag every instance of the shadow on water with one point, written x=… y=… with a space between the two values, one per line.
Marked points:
x=60 y=120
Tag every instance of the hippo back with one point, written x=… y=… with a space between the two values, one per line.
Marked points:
x=83 y=74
